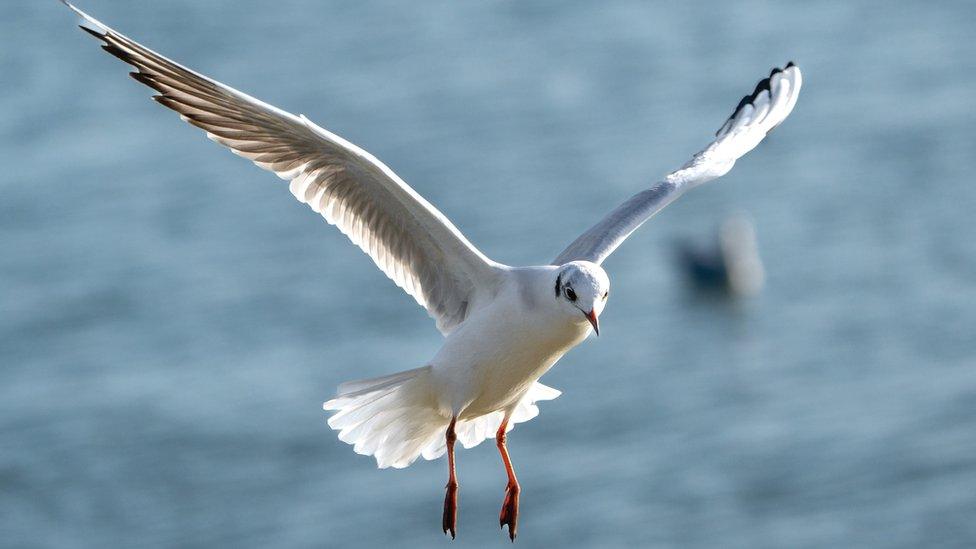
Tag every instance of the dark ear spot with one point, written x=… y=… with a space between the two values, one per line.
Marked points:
x=558 y=280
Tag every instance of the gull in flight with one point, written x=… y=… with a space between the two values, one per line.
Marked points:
x=503 y=326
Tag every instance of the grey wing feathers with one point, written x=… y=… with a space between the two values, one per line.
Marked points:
x=407 y=238
x=754 y=117
x=600 y=240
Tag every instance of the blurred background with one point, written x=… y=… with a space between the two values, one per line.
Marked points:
x=171 y=319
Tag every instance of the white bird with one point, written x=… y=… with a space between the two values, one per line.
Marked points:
x=504 y=326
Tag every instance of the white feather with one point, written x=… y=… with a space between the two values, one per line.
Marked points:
x=738 y=135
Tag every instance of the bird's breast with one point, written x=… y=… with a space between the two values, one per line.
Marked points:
x=490 y=361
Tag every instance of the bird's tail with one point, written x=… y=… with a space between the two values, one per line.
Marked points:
x=393 y=418
x=396 y=419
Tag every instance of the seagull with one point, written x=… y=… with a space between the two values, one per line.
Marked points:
x=503 y=326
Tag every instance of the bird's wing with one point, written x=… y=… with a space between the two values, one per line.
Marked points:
x=412 y=242
x=755 y=116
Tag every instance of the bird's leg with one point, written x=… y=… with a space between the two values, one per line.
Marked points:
x=509 y=514
x=451 y=497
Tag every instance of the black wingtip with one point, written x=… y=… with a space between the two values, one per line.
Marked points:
x=742 y=103
x=93 y=32
x=746 y=99
x=762 y=85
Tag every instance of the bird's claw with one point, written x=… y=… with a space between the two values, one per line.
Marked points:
x=509 y=514
x=449 y=522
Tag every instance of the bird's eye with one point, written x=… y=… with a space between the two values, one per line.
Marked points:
x=570 y=294
x=606 y=294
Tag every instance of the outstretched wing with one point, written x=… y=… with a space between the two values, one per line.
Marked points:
x=412 y=242
x=755 y=116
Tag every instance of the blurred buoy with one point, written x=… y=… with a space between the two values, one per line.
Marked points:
x=730 y=263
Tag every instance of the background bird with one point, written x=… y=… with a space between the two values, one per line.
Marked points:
x=504 y=326
x=728 y=263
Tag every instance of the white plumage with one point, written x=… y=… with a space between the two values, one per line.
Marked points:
x=397 y=413
x=504 y=326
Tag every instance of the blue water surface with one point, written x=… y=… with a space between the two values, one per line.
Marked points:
x=171 y=319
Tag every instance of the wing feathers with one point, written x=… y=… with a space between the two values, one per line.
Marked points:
x=407 y=238
x=770 y=102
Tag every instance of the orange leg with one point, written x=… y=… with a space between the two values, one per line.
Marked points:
x=509 y=514
x=451 y=498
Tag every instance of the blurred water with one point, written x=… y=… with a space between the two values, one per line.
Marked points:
x=171 y=320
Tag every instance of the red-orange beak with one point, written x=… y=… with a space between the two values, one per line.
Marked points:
x=591 y=316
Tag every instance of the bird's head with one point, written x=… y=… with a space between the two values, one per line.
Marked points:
x=582 y=289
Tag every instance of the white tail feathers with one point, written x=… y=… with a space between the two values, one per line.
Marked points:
x=396 y=418
x=393 y=418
